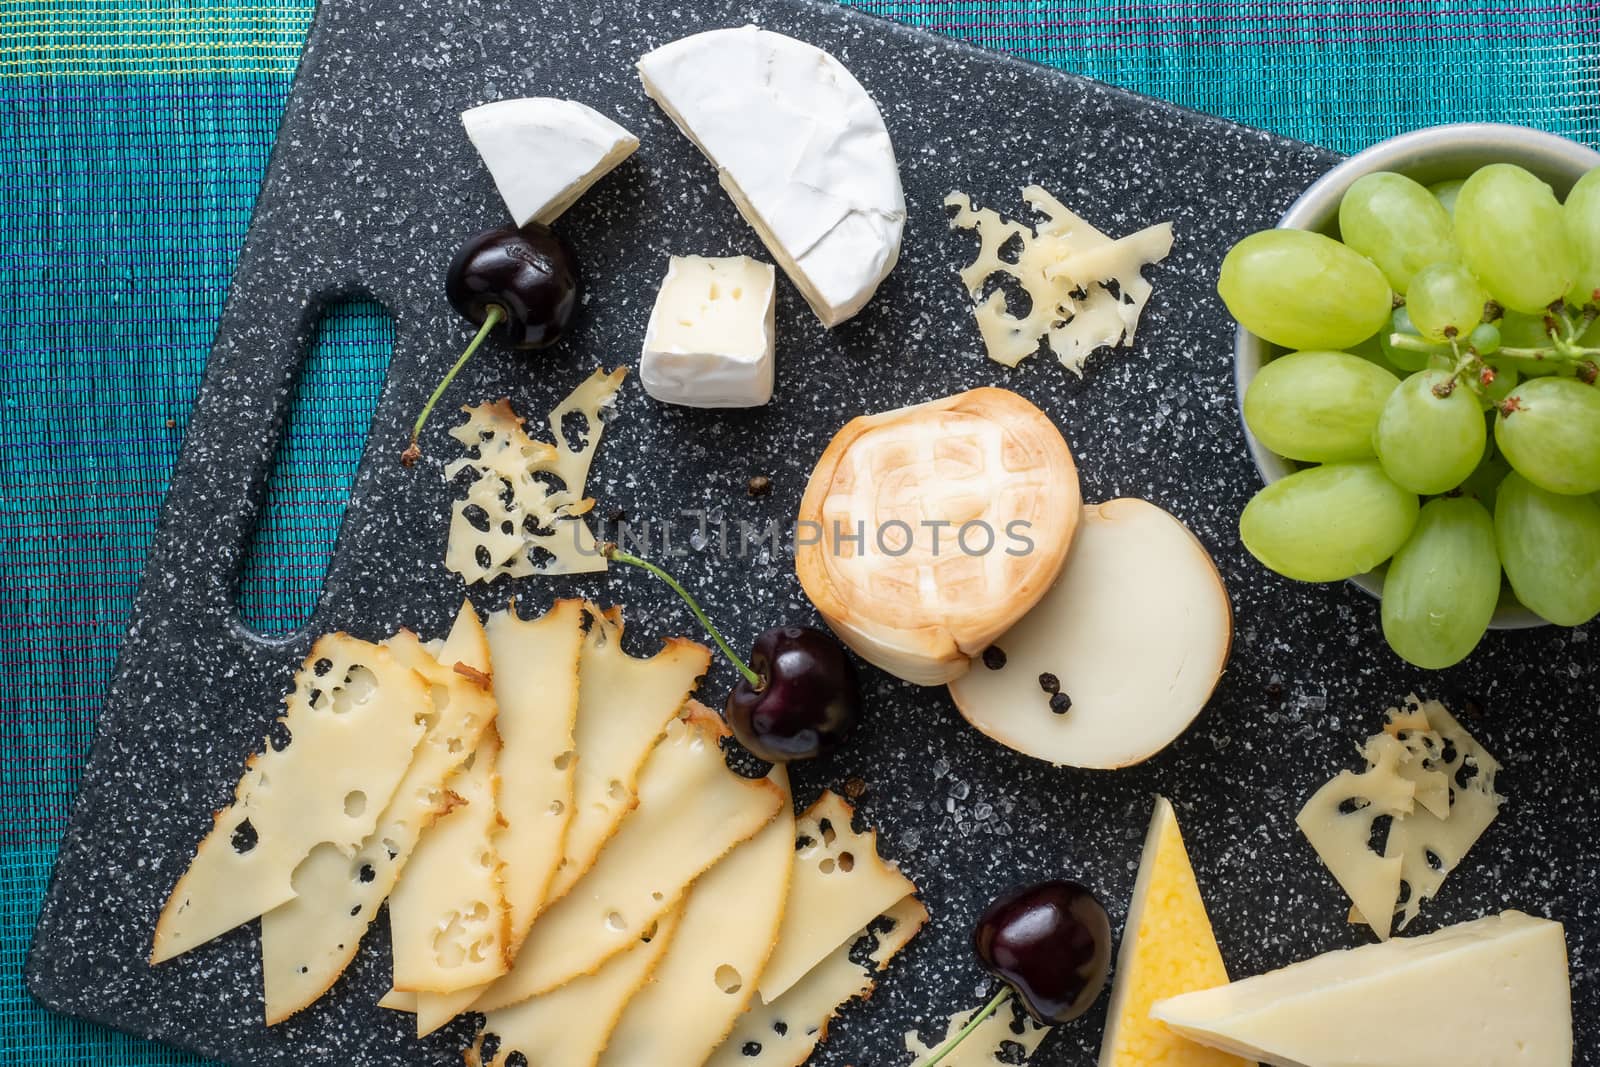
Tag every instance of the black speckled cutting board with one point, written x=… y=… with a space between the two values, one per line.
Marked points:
x=373 y=184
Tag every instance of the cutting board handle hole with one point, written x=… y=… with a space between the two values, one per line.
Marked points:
x=318 y=452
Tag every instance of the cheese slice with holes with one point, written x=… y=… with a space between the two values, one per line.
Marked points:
x=1168 y=948
x=448 y=918
x=570 y=1026
x=624 y=703
x=1338 y=821
x=785 y=1032
x=307 y=942
x=801 y=149
x=708 y=976
x=839 y=884
x=331 y=764
x=1494 y=992
x=523 y=512
x=692 y=811
x=544 y=153
x=1007 y=1037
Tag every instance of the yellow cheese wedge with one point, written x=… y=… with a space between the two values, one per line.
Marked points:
x=840 y=883
x=569 y=1026
x=1168 y=948
x=995 y=1042
x=692 y=811
x=708 y=976
x=785 y=1032
x=325 y=776
x=448 y=919
x=307 y=942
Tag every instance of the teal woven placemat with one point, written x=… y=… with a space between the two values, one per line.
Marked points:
x=133 y=136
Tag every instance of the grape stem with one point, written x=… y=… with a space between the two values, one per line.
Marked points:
x=491 y=319
x=972 y=1024
x=612 y=552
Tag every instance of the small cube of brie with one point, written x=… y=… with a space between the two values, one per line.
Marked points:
x=710 y=339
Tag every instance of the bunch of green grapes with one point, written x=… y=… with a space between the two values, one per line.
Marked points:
x=1439 y=396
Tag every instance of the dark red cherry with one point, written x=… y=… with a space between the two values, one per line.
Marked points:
x=806 y=700
x=528 y=273
x=1051 y=943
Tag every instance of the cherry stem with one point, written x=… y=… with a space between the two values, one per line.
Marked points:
x=491 y=319
x=972 y=1024
x=612 y=552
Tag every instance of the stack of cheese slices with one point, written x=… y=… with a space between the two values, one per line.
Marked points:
x=562 y=845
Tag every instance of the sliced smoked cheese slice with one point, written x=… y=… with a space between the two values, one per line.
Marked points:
x=1119 y=657
x=544 y=153
x=1005 y=1038
x=692 y=811
x=839 y=884
x=624 y=703
x=330 y=766
x=927 y=532
x=448 y=918
x=709 y=974
x=569 y=1026
x=786 y=1032
x=1168 y=948
x=307 y=942
x=1490 y=993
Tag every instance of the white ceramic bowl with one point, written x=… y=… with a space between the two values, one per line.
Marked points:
x=1435 y=154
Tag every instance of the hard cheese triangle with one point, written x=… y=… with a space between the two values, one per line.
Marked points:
x=1167 y=948
x=786 y=1031
x=307 y=942
x=692 y=811
x=708 y=976
x=1490 y=993
x=448 y=919
x=569 y=1026
x=839 y=885
x=330 y=766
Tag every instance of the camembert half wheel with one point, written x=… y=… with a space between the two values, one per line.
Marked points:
x=926 y=532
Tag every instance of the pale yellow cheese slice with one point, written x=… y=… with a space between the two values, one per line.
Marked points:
x=692 y=811
x=1007 y=1037
x=448 y=918
x=536 y=686
x=785 y=1032
x=839 y=884
x=1168 y=948
x=1338 y=819
x=708 y=976
x=569 y=1026
x=328 y=770
x=1409 y=725
x=623 y=705
x=307 y=942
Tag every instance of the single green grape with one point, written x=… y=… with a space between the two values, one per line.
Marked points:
x=1431 y=433
x=1327 y=523
x=1518 y=330
x=1484 y=482
x=1445 y=301
x=1396 y=223
x=1502 y=380
x=1446 y=193
x=1549 y=431
x=1484 y=339
x=1317 y=406
x=1302 y=290
x=1582 y=213
x=1512 y=234
x=1407 y=359
x=1443 y=584
x=1550 y=547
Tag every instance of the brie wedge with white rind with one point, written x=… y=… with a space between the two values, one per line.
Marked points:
x=1135 y=632
x=327 y=772
x=800 y=147
x=307 y=942
x=1494 y=992
x=710 y=339
x=692 y=811
x=544 y=153
x=707 y=978
x=927 y=532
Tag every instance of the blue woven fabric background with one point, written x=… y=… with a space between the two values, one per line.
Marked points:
x=133 y=137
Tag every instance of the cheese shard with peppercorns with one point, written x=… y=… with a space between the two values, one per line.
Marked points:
x=1168 y=948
